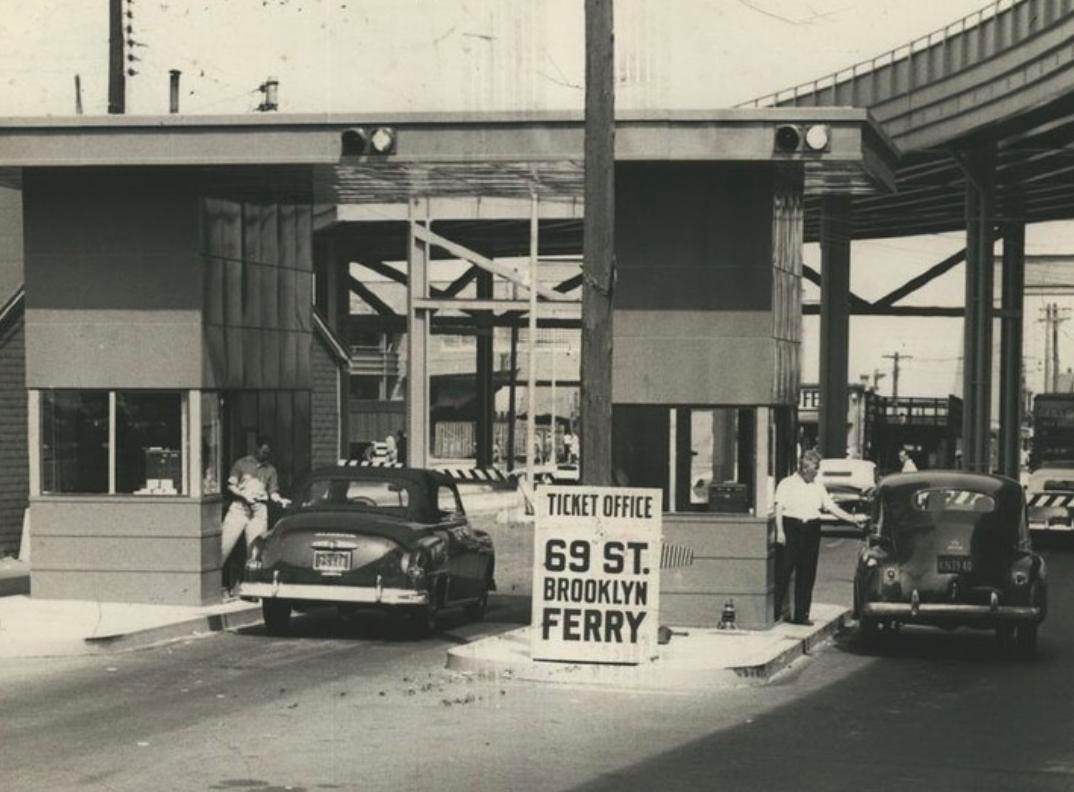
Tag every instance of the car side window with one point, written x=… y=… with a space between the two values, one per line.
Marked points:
x=447 y=501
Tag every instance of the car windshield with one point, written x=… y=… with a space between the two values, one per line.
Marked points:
x=386 y=496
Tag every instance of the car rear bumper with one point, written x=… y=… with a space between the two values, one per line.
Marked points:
x=927 y=612
x=1058 y=527
x=355 y=594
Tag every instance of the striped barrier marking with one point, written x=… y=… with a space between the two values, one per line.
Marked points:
x=364 y=463
x=1052 y=499
x=457 y=474
x=673 y=556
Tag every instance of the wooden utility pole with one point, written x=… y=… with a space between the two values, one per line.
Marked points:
x=895 y=357
x=117 y=79
x=78 y=94
x=598 y=265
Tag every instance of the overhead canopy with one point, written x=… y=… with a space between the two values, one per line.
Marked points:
x=437 y=155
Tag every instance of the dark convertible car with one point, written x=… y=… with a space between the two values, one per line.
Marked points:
x=951 y=549
x=373 y=537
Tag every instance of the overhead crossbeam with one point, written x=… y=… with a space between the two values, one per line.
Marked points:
x=462 y=252
x=925 y=277
x=370 y=298
x=857 y=304
x=813 y=309
x=399 y=276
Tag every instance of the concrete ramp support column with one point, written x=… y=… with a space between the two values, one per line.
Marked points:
x=417 y=374
x=1010 y=355
x=835 y=233
x=486 y=393
x=978 y=167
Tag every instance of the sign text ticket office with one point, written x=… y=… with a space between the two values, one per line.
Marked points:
x=596 y=574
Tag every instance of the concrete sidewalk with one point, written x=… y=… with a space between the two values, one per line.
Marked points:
x=63 y=628
x=700 y=658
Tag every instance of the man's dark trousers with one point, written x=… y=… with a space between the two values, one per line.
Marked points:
x=800 y=558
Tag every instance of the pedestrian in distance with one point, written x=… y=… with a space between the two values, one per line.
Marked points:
x=393 y=449
x=253 y=482
x=799 y=500
x=907 y=461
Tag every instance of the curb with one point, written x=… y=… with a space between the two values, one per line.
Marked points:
x=214 y=622
x=14 y=585
x=461 y=660
x=764 y=672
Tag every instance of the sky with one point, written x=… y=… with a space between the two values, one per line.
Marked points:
x=414 y=55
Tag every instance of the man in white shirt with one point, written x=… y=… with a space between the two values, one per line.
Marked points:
x=908 y=465
x=799 y=501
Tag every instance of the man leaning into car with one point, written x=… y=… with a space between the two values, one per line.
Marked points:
x=253 y=482
x=799 y=501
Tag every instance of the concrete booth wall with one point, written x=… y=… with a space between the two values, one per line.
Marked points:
x=148 y=287
x=14 y=476
x=708 y=318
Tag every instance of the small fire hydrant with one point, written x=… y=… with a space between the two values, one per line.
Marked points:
x=727 y=616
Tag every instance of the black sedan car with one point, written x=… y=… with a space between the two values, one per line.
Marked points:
x=373 y=537
x=951 y=549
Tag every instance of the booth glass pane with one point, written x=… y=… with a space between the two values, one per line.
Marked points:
x=210 y=444
x=74 y=442
x=721 y=451
x=149 y=453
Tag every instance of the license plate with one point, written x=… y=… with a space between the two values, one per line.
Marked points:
x=332 y=560
x=948 y=564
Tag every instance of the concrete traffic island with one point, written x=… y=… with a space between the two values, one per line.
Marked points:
x=693 y=658
x=31 y=627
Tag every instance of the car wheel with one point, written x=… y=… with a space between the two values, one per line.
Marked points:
x=1025 y=637
x=476 y=611
x=869 y=628
x=277 y=616
x=422 y=620
x=1005 y=636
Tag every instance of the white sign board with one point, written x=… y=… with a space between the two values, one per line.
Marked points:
x=596 y=574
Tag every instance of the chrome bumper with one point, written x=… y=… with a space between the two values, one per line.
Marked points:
x=968 y=613
x=362 y=595
x=1042 y=526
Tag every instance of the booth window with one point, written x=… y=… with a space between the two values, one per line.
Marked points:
x=99 y=442
x=149 y=433
x=74 y=442
x=722 y=459
x=210 y=444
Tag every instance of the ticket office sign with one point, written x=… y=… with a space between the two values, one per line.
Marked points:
x=596 y=574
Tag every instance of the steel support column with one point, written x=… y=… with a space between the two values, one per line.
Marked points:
x=417 y=374
x=977 y=327
x=835 y=233
x=485 y=401
x=1010 y=355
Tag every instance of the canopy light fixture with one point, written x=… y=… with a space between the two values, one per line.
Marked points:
x=354 y=141
x=359 y=141
x=788 y=138
x=817 y=137
x=383 y=140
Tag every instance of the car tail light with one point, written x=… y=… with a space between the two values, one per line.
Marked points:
x=411 y=564
x=890 y=573
x=1020 y=578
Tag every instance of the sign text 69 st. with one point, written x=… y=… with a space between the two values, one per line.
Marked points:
x=596 y=566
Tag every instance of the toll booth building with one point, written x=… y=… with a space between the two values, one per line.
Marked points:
x=170 y=280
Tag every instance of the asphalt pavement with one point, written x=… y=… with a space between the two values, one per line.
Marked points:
x=361 y=705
